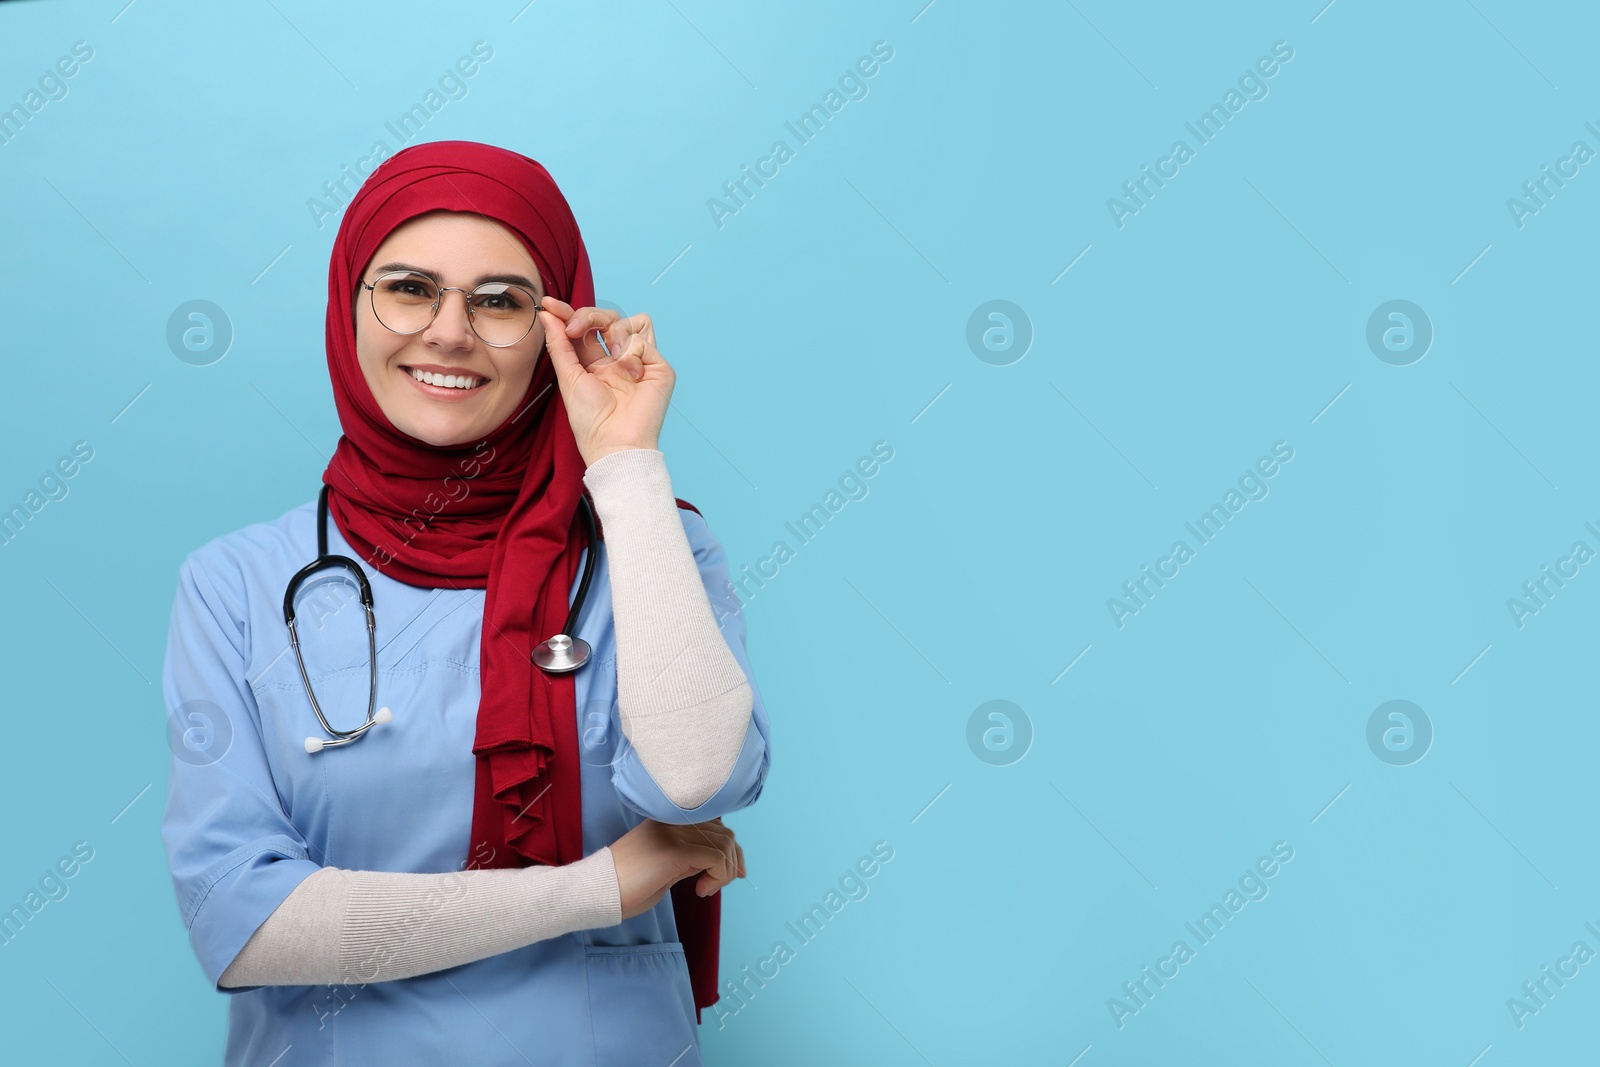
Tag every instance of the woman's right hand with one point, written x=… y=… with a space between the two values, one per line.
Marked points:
x=654 y=856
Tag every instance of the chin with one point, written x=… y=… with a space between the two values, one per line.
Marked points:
x=442 y=432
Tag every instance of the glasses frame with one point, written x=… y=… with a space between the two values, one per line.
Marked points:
x=472 y=322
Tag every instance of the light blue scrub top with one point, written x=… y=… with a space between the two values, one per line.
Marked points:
x=250 y=813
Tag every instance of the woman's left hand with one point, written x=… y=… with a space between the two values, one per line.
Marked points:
x=613 y=402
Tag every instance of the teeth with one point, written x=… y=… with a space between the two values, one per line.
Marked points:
x=448 y=381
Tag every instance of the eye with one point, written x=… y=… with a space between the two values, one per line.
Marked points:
x=499 y=297
x=409 y=287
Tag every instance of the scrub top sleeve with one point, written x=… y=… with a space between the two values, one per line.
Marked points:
x=633 y=782
x=232 y=851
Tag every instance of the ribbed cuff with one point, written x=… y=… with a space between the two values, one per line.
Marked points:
x=596 y=890
x=628 y=476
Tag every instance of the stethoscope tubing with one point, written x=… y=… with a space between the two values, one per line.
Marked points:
x=560 y=654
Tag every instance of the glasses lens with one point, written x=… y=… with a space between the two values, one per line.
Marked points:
x=404 y=302
x=503 y=313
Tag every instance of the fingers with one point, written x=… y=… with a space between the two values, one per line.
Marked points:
x=729 y=857
x=705 y=851
x=629 y=343
x=619 y=333
x=632 y=358
x=715 y=869
x=616 y=328
x=589 y=319
x=639 y=326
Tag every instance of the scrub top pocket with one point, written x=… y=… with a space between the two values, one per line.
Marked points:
x=641 y=1005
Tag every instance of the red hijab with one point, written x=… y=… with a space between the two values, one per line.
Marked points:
x=498 y=514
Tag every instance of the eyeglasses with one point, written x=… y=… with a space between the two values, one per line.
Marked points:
x=500 y=313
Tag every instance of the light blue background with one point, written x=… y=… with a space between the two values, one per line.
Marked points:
x=1228 y=314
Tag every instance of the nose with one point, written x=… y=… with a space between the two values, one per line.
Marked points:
x=451 y=327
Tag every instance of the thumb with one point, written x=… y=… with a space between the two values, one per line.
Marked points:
x=563 y=357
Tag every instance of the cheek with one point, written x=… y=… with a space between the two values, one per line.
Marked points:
x=368 y=357
x=373 y=343
x=374 y=349
x=519 y=370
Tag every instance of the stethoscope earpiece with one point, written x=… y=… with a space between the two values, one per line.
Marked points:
x=317 y=744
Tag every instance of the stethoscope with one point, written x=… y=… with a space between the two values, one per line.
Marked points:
x=561 y=654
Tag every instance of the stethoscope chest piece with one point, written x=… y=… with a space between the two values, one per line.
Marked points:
x=564 y=653
x=561 y=654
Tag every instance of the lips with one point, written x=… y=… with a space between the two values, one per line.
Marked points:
x=444 y=377
x=442 y=393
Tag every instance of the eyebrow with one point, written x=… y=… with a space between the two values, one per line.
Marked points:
x=510 y=279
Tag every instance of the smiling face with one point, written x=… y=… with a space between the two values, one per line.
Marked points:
x=461 y=250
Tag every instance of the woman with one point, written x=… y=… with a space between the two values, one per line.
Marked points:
x=484 y=876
